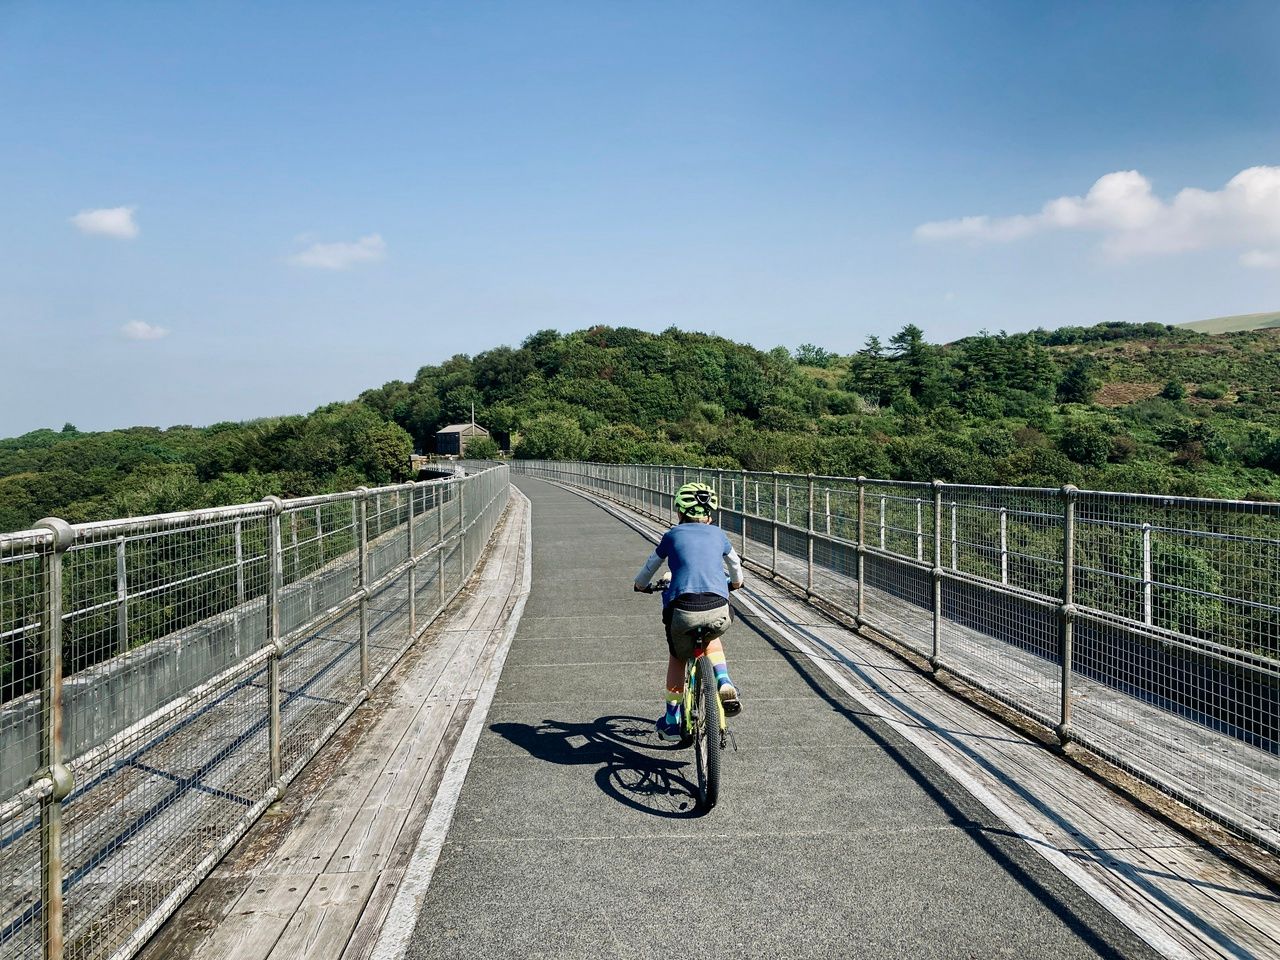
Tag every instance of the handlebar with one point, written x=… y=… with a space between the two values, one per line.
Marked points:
x=659 y=585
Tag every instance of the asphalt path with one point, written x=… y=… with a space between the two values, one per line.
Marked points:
x=577 y=834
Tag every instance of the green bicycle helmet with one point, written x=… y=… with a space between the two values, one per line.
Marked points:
x=696 y=500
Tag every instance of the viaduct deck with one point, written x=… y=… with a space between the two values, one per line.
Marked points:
x=865 y=811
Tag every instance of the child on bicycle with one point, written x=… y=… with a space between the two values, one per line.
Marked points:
x=695 y=601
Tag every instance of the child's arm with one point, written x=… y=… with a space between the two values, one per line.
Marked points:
x=646 y=572
x=734 y=564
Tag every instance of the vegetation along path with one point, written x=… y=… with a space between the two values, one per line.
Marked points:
x=576 y=832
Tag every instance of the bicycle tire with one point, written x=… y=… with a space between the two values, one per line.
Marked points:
x=686 y=707
x=706 y=744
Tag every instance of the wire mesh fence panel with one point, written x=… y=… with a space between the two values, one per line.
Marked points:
x=153 y=611
x=836 y=572
x=1203 y=724
x=1007 y=644
x=1198 y=568
x=22 y=930
x=388 y=623
x=144 y=816
x=23 y=560
x=898 y=600
x=319 y=677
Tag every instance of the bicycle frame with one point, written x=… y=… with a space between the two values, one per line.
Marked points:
x=691 y=694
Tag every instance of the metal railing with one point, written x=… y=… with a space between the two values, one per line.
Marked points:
x=165 y=678
x=1145 y=628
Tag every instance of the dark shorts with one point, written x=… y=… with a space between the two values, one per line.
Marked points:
x=694 y=615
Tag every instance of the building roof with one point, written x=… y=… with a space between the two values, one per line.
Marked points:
x=463 y=428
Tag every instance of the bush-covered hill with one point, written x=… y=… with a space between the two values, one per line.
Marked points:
x=1133 y=407
x=1122 y=406
x=92 y=476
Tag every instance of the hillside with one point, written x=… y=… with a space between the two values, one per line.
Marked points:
x=1245 y=321
x=1147 y=407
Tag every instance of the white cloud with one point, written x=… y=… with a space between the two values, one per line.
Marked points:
x=1262 y=259
x=339 y=256
x=141 y=330
x=115 y=222
x=1134 y=221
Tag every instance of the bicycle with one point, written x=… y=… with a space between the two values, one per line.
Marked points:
x=701 y=703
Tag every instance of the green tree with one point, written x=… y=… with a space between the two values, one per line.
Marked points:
x=552 y=437
x=1080 y=382
x=1085 y=444
x=483 y=448
x=813 y=356
x=385 y=452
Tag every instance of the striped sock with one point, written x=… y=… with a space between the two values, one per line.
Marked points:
x=720 y=667
x=673 y=705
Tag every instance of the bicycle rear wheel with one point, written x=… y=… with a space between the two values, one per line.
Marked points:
x=706 y=736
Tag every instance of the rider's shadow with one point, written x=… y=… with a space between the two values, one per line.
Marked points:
x=653 y=784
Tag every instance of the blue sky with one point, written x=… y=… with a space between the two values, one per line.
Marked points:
x=219 y=210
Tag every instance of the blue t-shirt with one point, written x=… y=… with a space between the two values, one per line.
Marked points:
x=695 y=553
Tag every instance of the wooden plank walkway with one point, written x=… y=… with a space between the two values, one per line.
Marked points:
x=1181 y=897
x=317 y=875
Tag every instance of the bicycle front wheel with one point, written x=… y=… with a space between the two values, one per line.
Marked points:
x=706 y=736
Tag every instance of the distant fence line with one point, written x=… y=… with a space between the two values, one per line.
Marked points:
x=1146 y=628
x=165 y=678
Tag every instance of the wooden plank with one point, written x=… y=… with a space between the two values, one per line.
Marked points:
x=365 y=935
x=371 y=833
x=206 y=916
x=309 y=840
x=255 y=923
x=322 y=924
x=420 y=807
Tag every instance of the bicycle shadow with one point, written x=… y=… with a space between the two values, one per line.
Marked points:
x=655 y=785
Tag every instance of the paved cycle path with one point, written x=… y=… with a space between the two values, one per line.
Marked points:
x=576 y=832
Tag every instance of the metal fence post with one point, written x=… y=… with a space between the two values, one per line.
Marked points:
x=774 y=568
x=882 y=503
x=440 y=541
x=955 y=542
x=413 y=567
x=1147 y=612
x=462 y=528
x=937 y=573
x=1004 y=545
x=919 y=529
x=239 y=538
x=808 y=586
x=122 y=600
x=319 y=538
x=1067 y=610
x=745 y=511
x=275 y=581
x=827 y=498
x=293 y=539
x=51 y=729
x=862 y=549
x=362 y=584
